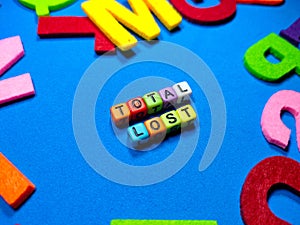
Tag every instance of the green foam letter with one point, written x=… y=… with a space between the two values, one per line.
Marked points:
x=163 y=222
x=43 y=7
x=257 y=64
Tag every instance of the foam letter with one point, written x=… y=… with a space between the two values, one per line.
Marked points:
x=272 y=126
x=15 y=188
x=73 y=26
x=260 y=2
x=273 y=172
x=256 y=63
x=106 y=14
x=163 y=222
x=292 y=34
x=11 y=50
x=219 y=13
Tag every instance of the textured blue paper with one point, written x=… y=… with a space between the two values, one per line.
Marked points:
x=37 y=134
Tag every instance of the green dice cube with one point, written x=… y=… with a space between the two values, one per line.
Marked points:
x=171 y=120
x=153 y=101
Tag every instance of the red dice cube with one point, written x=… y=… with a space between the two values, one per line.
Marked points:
x=138 y=109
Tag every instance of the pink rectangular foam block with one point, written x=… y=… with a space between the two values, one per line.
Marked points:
x=15 y=88
x=11 y=50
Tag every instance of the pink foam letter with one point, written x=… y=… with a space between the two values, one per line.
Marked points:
x=11 y=50
x=273 y=128
x=15 y=88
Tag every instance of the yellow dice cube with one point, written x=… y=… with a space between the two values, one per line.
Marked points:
x=187 y=115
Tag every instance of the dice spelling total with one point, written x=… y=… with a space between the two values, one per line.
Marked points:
x=153 y=102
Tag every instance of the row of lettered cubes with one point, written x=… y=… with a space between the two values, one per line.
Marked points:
x=151 y=103
x=138 y=108
x=156 y=129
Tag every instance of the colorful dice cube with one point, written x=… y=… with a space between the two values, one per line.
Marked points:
x=138 y=109
x=138 y=133
x=183 y=91
x=153 y=102
x=171 y=120
x=120 y=115
x=187 y=115
x=168 y=96
x=156 y=129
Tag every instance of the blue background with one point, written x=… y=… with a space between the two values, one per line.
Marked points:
x=37 y=134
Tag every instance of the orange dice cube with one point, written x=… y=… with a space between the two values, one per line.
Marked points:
x=120 y=115
x=156 y=129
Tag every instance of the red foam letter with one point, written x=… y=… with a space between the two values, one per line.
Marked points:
x=260 y=2
x=267 y=174
x=219 y=13
x=73 y=26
